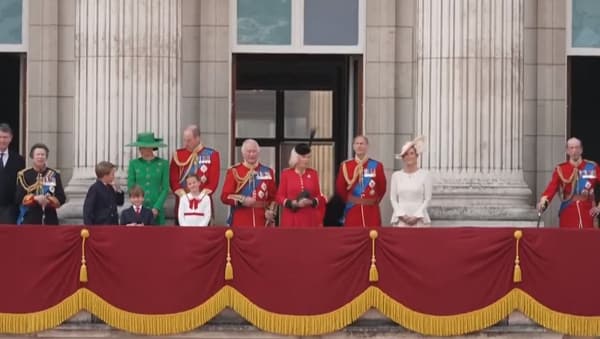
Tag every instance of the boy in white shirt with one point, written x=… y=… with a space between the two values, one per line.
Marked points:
x=195 y=206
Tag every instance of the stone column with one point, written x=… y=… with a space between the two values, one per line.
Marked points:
x=469 y=105
x=127 y=55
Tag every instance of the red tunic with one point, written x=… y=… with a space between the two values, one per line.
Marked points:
x=291 y=184
x=243 y=181
x=576 y=186
x=356 y=177
x=203 y=161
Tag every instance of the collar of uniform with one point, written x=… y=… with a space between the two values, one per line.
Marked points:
x=358 y=160
x=248 y=166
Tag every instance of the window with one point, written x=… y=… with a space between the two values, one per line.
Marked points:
x=298 y=26
x=264 y=22
x=583 y=29
x=11 y=26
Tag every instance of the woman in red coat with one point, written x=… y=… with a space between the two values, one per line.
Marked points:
x=299 y=193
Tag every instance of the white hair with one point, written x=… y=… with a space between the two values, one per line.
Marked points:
x=294 y=158
x=249 y=142
x=571 y=140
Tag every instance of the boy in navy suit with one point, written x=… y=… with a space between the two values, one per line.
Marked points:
x=137 y=214
x=103 y=197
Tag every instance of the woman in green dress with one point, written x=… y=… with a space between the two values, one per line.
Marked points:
x=151 y=173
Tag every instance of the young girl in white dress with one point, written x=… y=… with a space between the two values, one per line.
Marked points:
x=195 y=206
x=410 y=191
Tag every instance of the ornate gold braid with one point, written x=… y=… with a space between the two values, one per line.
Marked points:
x=192 y=158
x=29 y=188
x=358 y=170
x=572 y=180
x=240 y=182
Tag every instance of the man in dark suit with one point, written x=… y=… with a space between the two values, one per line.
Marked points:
x=10 y=164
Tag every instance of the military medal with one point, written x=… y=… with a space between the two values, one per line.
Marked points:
x=261 y=194
x=203 y=179
x=263 y=186
x=372 y=184
x=203 y=168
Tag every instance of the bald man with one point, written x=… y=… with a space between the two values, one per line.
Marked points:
x=194 y=158
x=574 y=180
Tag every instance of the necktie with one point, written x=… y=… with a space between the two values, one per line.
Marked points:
x=2 y=160
x=138 y=210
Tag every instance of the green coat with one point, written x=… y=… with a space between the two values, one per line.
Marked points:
x=153 y=177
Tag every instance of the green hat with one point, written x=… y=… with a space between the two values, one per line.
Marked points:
x=147 y=139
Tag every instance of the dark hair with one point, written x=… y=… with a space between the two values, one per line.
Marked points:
x=193 y=175
x=36 y=146
x=136 y=191
x=103 y=168
x=5 y=128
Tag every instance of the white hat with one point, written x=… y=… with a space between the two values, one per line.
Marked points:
x=418 y=143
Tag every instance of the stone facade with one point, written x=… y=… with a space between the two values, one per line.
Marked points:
x=404 y=54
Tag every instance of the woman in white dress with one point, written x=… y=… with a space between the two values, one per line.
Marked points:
x=410 y=190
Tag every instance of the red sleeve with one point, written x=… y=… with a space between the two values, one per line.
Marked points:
x=552 y=187
x=228 y=188
x=340 y=183
x=381 y=182
x=282 y=190
x=214 y=172
x=174 y=174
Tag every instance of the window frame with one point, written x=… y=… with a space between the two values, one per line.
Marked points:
x=297 y=45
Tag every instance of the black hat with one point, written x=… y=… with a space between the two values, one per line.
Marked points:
x=302 y=149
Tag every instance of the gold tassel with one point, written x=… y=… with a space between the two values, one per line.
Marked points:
x=373 y=273
x=517 y=276
x=228 y=266
x=83 y=275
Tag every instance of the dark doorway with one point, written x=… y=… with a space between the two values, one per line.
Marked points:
x=10 y=94
x=277 y=99
x=584 y=113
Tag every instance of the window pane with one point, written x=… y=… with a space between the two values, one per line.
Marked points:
x=267 y=157
x=10 y=21
x=331 y=22
x=305 y=110
x=255 y=114
x=264 y=22
x=586 y=24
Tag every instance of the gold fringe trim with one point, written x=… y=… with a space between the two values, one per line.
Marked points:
x=301 y=325
x=155 y=324
x=445 y=325
x=564 y=323
x=23 y=323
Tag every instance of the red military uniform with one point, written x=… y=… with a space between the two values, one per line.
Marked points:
x=258 y=182
x=362 y=185
x=291 y=184
x=576 y=185
x=203 y=161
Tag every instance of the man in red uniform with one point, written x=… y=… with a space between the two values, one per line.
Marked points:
x=194 y=158
x=361 y=184
x=250 y=190
x=575 y=179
